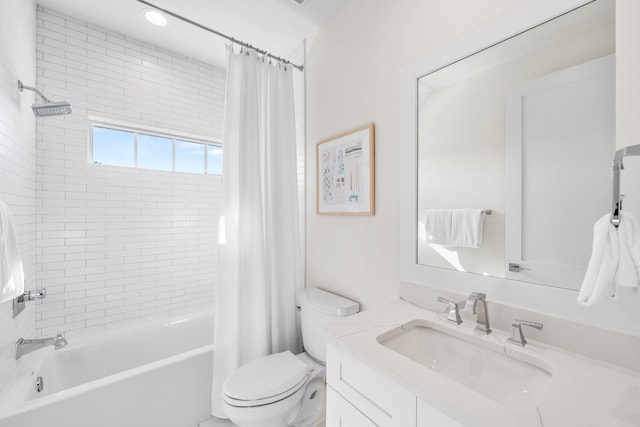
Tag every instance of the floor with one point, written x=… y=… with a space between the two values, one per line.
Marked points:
x=216 y=422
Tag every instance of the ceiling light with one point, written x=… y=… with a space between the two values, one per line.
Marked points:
x=155 y=17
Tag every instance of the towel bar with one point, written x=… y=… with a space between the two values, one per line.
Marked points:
x=617 y=166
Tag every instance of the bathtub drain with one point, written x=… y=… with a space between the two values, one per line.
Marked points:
x=39 y=384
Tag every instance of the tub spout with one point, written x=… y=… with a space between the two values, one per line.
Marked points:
x=27 y=346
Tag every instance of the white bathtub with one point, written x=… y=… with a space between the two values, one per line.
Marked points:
x=154 y=375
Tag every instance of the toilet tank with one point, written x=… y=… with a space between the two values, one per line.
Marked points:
x=317 y=308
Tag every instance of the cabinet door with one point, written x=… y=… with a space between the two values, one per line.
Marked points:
x=428 y=416
x=341 y=413
x=383 y=401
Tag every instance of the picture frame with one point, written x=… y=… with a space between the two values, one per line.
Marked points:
x=345 y=173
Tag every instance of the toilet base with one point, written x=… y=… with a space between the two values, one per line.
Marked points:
x=313 y=405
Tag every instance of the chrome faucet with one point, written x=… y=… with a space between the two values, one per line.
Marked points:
x=27 y=346
x=471 y=307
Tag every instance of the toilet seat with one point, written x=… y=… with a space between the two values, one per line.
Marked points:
x=266 y=380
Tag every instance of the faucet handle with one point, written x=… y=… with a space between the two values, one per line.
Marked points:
x=454 y=312
x=517 y=337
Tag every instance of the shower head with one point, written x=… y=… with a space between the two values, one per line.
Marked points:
x=46 y=108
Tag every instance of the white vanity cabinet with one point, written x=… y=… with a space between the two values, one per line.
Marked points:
x=357 y=396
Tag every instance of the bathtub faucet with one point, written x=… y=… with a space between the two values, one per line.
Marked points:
x=27 y=346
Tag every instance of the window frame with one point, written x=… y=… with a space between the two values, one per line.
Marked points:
x=174 y=136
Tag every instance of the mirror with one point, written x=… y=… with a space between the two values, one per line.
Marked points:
x=545 y=295
x=522 y=131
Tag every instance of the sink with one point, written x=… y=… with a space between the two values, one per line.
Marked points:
x=478 y=363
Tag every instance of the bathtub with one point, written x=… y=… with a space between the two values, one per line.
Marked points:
x=153 y=375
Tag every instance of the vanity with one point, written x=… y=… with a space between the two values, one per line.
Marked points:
x=402 y=365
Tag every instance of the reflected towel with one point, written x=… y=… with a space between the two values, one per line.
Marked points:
x=11 y=271
x=454 y=227
x=466 y=226
x=437 y=224
x=615 y=259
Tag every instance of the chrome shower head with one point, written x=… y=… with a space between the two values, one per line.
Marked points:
x=46 y=108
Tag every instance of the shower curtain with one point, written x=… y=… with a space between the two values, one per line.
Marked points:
x=260 y=252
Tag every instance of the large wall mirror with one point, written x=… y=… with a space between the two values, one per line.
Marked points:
x=502 y=130
x=515 y=120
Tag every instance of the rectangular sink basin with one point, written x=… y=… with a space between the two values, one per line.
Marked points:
x=476 y=363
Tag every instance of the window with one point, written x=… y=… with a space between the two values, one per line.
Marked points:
x=121 y=146
x=214 y=159
x=189 y=157
x=155 y=152
x=113 y=147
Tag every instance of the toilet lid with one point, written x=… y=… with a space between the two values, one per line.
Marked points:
x=277 y=375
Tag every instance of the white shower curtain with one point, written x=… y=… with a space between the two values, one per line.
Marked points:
x=260 y=258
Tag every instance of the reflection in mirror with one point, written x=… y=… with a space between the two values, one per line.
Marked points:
x=526 y=129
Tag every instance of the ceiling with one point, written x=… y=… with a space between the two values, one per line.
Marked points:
x=278 y=26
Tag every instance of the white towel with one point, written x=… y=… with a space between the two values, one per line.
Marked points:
x=628 y=272
x=454 y=227
x=437 y=224
x=615 y=259
x=11 y=270
x=466 y=225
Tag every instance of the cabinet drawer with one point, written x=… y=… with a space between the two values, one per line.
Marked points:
x=380 y=399
x=428 y=416
x=341 y=413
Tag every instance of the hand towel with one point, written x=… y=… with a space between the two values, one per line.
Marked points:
x=438 y=226
x=466 y=228
x=615 y=259
x=11 y=270
x=599 y=278
x=454 y=227
x=628 y=272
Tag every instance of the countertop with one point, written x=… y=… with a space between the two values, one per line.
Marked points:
x=581 y=392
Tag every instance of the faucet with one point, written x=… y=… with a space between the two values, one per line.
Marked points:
x=27 y=346
x=471 y=307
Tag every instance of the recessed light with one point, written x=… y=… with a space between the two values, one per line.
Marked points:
x=155 y=17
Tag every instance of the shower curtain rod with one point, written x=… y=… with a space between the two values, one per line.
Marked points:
x=218 y=33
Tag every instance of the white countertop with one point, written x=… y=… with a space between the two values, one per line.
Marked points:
x=582 y=392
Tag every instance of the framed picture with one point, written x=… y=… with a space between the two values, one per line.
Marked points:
x=345 y=173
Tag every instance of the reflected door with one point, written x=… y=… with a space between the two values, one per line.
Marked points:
x=560 y=139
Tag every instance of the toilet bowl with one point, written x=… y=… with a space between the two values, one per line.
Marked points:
x=283 y=389
x=276 y=391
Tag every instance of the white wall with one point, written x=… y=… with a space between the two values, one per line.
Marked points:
x=353 y=71
x=627 y=71
x=118 y=246
x=17 y=161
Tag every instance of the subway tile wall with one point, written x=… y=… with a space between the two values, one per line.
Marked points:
x=17 y=163
x=119 y=246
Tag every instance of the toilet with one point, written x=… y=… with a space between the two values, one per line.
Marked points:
x=283 y=389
